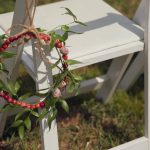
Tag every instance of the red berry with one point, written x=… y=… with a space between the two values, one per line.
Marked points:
x=15 y=37
x=10 y=100
x=7 y=42
x=59 y=45
x=14 y=102
x=11 y=39
x=65 y=57
x=42 y=104
x=46 y=38
x=65 y=65
x=5 y=46
x=57 y=41
x=2 y=93
x=37 y=105
x=18 y=102
x=19 y=36
x=28 y=106
x=23 y=104
x=6 y=97
x=33 y=106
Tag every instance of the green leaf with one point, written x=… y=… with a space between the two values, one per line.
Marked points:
x=65 y=28
x=3 y=36
x=2 y=85
x=21 y=132
x=34 y=113
x=57 y=36
x=43 y=114
x=40 y=30
x=71 y=87
x=69 y=12
x=6 y=54
x=65 y=36
x=17 y=86
x=64 y=105
x=8 y=108
x=19 y=115
x=72 y=62
x=52 y=43
x=51 y=117
x=27 y=123
x=17 y=123
x=79 y=22
x=78 y=78
x=55 y=64
x=50 y=102
x=11 y=87
x=25 y=96
x=2 y=66
x=52 y=33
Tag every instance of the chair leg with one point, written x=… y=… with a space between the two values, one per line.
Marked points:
x=134 y=71
x=49 y=137
x=114 y=74
x=3 y=118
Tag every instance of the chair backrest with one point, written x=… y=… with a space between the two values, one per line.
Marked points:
x=142 y=16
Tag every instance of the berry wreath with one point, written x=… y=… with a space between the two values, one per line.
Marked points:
x=9 y=90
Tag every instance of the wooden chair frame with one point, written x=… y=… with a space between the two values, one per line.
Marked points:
x=114 y=73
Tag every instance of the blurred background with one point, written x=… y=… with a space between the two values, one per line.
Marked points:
x=90 y=125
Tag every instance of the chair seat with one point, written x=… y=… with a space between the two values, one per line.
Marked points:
x=108 y=33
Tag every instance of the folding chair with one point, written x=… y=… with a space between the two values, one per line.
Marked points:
x=108 y=35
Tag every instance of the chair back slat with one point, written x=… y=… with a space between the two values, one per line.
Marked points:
x=139 y=16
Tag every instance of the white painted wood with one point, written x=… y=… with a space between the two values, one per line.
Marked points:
x=102 y=24
x=139 y=16
x=86 y=59
x=115 y=72
x=133 y=72
x=43 y=79
x=137 y=144
x=147 y=70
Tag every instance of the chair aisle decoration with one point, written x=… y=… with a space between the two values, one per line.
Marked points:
x=108 y=35
x=40 y=38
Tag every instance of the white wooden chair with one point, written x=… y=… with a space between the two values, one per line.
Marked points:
x=108 y=35
x=137 y=66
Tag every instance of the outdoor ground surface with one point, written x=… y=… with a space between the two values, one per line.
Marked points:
x=90 y=124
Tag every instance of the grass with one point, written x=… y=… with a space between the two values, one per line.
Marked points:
x=90 y=125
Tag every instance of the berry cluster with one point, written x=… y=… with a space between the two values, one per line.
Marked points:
x=45 y=39
x=6 y=97
x=63 y=50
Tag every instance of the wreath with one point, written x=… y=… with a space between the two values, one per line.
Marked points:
x=65 y=80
